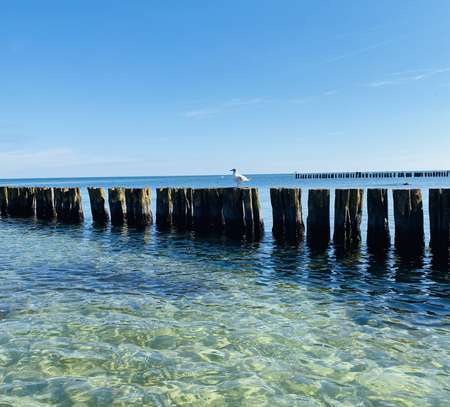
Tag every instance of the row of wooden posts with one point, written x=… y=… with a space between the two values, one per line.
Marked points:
x=383 y=174
x=237 y=212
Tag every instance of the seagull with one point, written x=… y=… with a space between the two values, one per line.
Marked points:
x=238 y=178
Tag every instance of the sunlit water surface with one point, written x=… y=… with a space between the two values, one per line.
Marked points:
x=101 y=317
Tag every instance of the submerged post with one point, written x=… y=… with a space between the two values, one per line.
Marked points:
x=3 y=201
x=97 y=198
x=439 y=209
x=378 y=236
x=21 y=201
x=45 y=203
x=138 y=202
x=68 y=205
x=164 y=207
x=408 y=214
x=318 y=222
x=182 y=209
x=117 y=206
x=347 y=216
x=287 y=214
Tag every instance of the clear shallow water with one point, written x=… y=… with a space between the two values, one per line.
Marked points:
x=120 y=317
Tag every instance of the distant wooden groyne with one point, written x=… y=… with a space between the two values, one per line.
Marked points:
x=373 y=174
x=236 y=212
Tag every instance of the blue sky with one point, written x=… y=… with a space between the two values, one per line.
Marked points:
x=99 y=88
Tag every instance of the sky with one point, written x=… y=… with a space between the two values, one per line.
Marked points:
x=147 y=87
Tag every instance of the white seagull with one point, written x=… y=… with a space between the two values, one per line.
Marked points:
x=239 y=178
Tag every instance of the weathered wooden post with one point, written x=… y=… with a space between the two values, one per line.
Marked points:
x=254 y=224
x=208 y=214
x=287 y=214
x=318 y=222
x=21 y=201
x=200 y=213
x=277 y=213
x=182 y=210
x=258 y=222
x=233 y=212
x=439 y=210
x=45 y=203
x=378 y=236
x=68 y=205
x=347 y=217
x=117 y=206
x=164 y=207
x=138 y=202
x=408 y=214
x=97 y=198
x=3 y=201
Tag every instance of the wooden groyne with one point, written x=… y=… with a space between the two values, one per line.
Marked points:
x=117 y=206
x=45 y=203
x=318 y=220
x=236 y=212
x=373 y=174
x=68 y=205
x=287 y=214
x=97 y=199
x=233 y=211
x=439 y=208
x=348 y=207
x=138 y=202
x=21 y=201
x=408 y=215
x=378 y=234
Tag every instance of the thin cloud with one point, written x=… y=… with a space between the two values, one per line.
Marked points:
x=330 y=92
x=400 y=78
x=199 y=113
x=204 y=113
x=359 y=51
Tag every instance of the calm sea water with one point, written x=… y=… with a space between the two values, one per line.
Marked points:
x=101 y=317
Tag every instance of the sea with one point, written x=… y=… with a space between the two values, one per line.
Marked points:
x=111 y=316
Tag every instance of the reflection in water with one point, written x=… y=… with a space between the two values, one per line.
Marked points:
x=97 y=316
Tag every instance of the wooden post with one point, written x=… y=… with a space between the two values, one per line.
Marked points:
x=117 y=206
x=287 y=214
x=277 y=213
x=233 y=212
x=21 y=201
x=378 y=236
x=200 y=214
x=138 y=206
x=254 y=225
x=68 y=205
x=214 y=204
x=408 y=214
x=258 y=222
x=439 y=210
x=318 y=222
x=164 y=207
x=97 y=198
x=45 y=203
x=182 y=208
x=347 y=217
x=3 y=201
x=208 y=213
x=247 y=202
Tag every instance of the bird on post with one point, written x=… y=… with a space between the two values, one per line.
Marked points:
x=239 y=178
